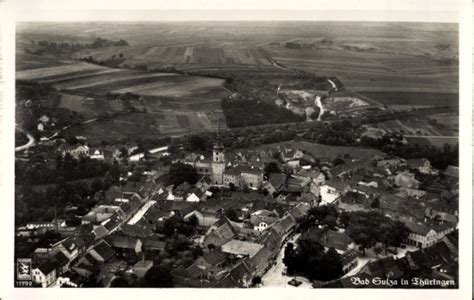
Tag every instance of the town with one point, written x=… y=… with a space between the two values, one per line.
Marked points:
x=247 y=218
x=204 y=165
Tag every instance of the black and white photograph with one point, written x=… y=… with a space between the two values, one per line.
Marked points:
x=252 y=148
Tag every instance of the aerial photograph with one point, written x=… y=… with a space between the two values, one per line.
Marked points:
x=236 y=154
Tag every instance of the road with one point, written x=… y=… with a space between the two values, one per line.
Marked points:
x=274 y=276
x=319 y=104
x=141 y=212
x=69 y=126
x=31 y=141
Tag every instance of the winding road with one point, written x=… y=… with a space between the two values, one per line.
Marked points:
x=31 y=141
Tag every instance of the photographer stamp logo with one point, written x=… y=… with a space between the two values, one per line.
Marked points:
x=23 y=269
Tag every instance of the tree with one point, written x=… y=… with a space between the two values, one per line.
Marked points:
x=158 y=276
x=330 y=265
x=193 y=221
x=256 y=281
x=231 y=213
x=324 y=215
x=375 y=203
x=119 y=282
x=362 y=236
x=288 y=258
x=338 y=161
x=378 y=250
x=180 y=172
x=271 y=167
x=197 y=143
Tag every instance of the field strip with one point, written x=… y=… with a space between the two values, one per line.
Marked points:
x=381 y=88
x=58 y=70
x=121 y=79
x=433 y=136
x=408 y=129
x=143 y=87
x=79 y=76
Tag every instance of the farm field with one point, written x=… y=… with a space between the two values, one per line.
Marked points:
x=134 y=126
x=29 y=61
x=393 y=64
x=435 y=141
x=384 y=69
x=326 y=151
x=102 y=80
x=414 y=98
x=414 y=126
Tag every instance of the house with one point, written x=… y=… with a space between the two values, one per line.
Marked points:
x=315 y=175
x=299 y=210
x=72 y=246
x=220 y=232
x=440 y=257
x=261 y=222
x=108 y=226
x=406 y=180
x=142 y=267
x=275 y=182
x=241 y=248
x=204 y=220
x=137 y=231
x=96 y=153
x=386 y=268
x=251 y=176
x=331 y=192
x=284 y=225
x=423 y=236
x=124 y=243
x=290 y=154
x=194 y=196
x=206 y=271
x=102 y=252
x=390 y=162
x=76 y=150
x=44 y=119
x=243 y=175
x=242 y=273
x=204 y=183
x=40 y=127
x=349 y=260
x=331 y=239
x=47 y=272
x=101 y=213
x=423 y=165
x=262 y=261
x=153 y=244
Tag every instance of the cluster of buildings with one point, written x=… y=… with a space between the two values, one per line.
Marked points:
x=245 y=216
x=107 y=153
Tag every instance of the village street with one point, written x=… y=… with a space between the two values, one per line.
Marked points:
x=274 y=276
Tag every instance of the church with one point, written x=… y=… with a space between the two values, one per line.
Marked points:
x=222 y=173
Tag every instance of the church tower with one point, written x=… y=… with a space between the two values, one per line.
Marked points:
x=218 y=163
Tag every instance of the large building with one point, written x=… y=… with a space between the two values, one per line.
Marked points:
x=222 y=173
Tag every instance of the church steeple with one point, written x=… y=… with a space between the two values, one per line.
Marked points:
x=218 y=160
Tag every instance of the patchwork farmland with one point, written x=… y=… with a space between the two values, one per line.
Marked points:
x=397 y=65
x=176 y=104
